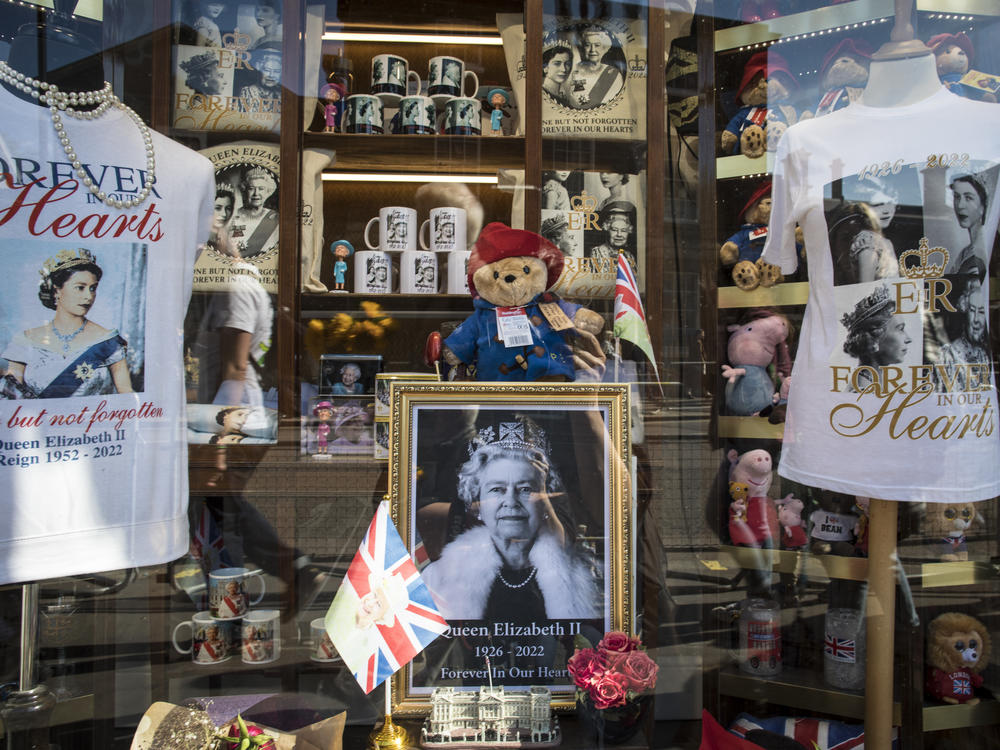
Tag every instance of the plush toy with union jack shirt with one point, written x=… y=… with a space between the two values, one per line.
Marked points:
x=958 y=649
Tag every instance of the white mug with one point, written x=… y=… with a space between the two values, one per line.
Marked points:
x=372 y=272
x=418 y=272
x=227 y=592
x=363 y=114
x=261 y=636
x=391 y=77
x=417 y=116
x=458 y=272
x=447 y=75
x=461 y=116
x=397 y=229
x=212 y=641
x=445 y=230
x=322 y=649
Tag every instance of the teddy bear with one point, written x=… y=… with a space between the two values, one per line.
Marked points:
x=958 y=649
x=518 y=331
x=743 y=249
x=953 y=54
x=793 y=535
x=766 y=114
x=831 y=527
x=755 y=344
x=843 y=76
x=753 y=517
x=946 y=524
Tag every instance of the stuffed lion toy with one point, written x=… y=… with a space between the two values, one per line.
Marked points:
x=958 y=649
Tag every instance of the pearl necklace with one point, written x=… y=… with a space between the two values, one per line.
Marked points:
x=67 y=339
x=61 y=102
x=516 y=585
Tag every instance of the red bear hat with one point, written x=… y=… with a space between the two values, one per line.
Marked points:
x=768 y=63
x=959 y=40
x=762 y=191
x=498 y=241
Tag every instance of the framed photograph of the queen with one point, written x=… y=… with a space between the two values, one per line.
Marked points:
x=515 y=504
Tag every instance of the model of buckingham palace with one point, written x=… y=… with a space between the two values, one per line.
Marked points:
x=490 y=718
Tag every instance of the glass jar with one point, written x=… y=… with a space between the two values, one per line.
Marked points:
x=760 y=637
x=844 y=649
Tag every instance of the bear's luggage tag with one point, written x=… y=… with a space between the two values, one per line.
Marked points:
x=555 y=316
x=513 y=327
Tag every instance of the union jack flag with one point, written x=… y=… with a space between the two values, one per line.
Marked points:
x=207 y=546
x=817 y=734
x=630 y=319
x=383 y=614
x=839 y=649
x=961 y=686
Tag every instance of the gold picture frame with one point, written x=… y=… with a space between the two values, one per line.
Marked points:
x=580 y=585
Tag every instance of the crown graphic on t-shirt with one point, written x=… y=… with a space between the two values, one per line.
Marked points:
x=923 y=269
x=67 y=259
x=583 y=202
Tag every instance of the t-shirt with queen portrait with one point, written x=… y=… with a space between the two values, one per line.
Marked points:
x=892 y=391
x=93 y=477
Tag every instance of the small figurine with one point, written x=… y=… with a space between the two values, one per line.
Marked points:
x=495 y=716
x=739 y=532
x=323 y=411
x=497 y=99
x=958 y=649
x=333 y=95
x=946 y=524
x=342 y=250
x=766 y=113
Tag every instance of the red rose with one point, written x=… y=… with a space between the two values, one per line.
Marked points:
x=586 y=666
x=609 y=691
x=258 y=739
x=617 y=641
x=639 y=670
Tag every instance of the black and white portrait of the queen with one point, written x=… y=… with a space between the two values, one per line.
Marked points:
x=513 y=506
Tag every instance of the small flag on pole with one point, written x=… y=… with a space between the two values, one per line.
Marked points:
x=383 y=614
x=630 y=320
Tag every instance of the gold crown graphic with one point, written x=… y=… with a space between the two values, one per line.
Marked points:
x=923 y=269
x=236 y=41
x=67 y=259
x=583 y=202
x=522 y=435
x=871 y=305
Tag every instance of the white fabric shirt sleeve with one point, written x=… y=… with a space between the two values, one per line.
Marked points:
x=779 y=249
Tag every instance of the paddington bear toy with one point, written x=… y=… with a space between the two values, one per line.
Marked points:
x=832 y=525
x=958 y=649
x=953 y=54
x=766 y=114
x=518 y=331
x=743 y=249
x=843 y=75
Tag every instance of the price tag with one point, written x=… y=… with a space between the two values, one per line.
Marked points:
x=513 y=327
x=556 y=317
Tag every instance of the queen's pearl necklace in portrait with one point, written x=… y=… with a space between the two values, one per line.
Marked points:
x=61 y=102
x=523 y=583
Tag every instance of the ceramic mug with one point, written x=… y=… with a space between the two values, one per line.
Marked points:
x=458 y=272
x=363 y=114
x=397 y=229
x=445 y=230
x=391 y=76
x=212 y=641
x=418 y=272
x=372 y=272
x=227 y=592
x=446 y=76
x=417 y=115
x=323 y=649
x=461 y=116
x=261 y=641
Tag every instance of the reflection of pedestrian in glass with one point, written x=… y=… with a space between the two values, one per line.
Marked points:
x=860 y=251
x=206 y=26
x=969 y=202
x=969 y=347
x=70 y=355
x=350 y=375
x=519 y=563
x=232 y=419
x=554 y=193
x=557 y=62
x=593 y=81
x=203 y=77
x=875 y=336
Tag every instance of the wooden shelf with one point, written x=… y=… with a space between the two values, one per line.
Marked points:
x=296 y=656
x=797 y=688
x=790 y=561
x=462 y=154
x=757 y=428
x=780 y=295
x=395 y=305
x=936 y=718
x=727 y=167
x=937 y=575
x=830 y=17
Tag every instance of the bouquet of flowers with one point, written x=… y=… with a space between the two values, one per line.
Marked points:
x=613 y=674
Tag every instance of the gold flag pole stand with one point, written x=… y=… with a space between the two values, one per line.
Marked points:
x=389 y=736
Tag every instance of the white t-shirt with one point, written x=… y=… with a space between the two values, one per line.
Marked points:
x=892 y=393
x=91 y=478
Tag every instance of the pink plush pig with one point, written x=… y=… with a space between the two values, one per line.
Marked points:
x=793 y=535
x=753 y=469
x=753 y=346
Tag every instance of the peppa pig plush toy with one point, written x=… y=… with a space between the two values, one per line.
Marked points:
x=753 y=346
x=793 y=535
x=753 y=519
